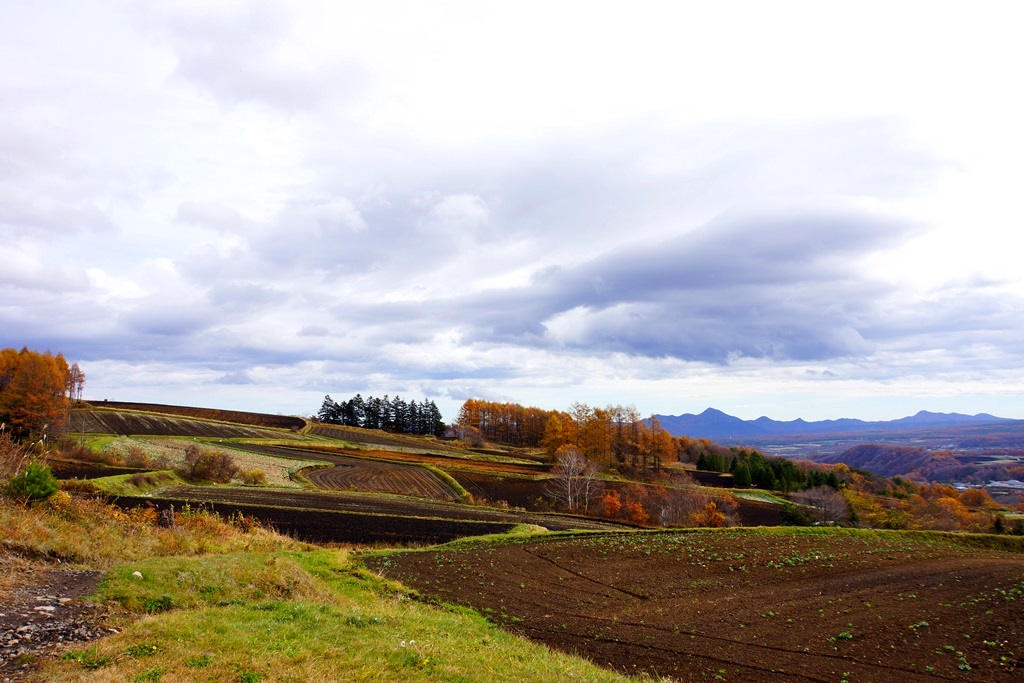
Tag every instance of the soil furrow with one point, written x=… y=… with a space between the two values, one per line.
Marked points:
x=750 y=605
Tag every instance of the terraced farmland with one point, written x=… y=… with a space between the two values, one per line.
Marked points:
x=377 y=471
x=352 y=474
x=236 y=416
x=364 y=474
x=118 y=421
x=374 y=437
x=451 y=461
x=359 y=517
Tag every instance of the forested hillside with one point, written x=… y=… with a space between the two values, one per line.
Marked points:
x=939 y=465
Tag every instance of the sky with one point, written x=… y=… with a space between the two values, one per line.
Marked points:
x=790 y=209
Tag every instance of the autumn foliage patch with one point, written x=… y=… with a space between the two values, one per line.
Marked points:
x=35 y=391
x=668 y=506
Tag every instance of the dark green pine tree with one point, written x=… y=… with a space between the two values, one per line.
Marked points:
x=329 y=411
x=741 y=478
x=414 y=419
x=435 y=420
x=371 y=412
x=358 y=408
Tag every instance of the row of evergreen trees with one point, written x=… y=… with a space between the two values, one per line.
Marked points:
x=750 y=467
x=392 y=415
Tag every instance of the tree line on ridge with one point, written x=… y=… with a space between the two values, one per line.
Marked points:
x=388 y=414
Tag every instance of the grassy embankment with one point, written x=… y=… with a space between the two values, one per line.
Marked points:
x=232 y=602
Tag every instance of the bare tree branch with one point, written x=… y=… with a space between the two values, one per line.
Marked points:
x=575 y=480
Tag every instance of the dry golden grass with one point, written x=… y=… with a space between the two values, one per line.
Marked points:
x=94 y=533
x=12 y=568
x=13 y=457
x=217 y=601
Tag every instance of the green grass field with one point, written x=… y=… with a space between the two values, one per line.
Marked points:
x=297 y=616
x=224 y=602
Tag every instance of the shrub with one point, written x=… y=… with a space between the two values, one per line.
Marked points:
x=611 y=503
x=978 y=498
x=70 y=450
x=636 y=513
x=136 y=457
x=82 y=487
x=253 y=477
x=684 y=506
x=143 y=479
x=35 y=483
x=709 y=516
x=215 y=466
x=792 y=515
x=824 y=504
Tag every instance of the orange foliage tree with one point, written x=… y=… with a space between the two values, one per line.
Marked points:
x=611 y=503
x=612 y=436
x=978 y=498
x=34 y=392
x=508 y=423
x=708 y=516
x=669 y=506
x=900 y=504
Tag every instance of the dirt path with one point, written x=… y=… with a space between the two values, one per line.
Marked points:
x=41 y=608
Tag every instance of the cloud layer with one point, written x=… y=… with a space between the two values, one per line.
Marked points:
x=231 y=203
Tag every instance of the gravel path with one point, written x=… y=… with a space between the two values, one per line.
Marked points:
x=42 y=610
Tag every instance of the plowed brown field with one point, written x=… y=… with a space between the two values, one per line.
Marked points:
x=448 y=460
x=237 y=416
x=359 y=517
x=382 y=461
x=352 y=474
x=374 y=437
x=116 y=421
x=363 y=473
x=749 y=605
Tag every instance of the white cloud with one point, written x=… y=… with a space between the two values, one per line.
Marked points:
x=461 y=212
x=248 y=53
x=114 y=287
x=28 y=266
x=661 y=204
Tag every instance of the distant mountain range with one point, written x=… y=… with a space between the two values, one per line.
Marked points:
x=718 y=426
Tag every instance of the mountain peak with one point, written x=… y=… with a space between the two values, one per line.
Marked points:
x=714 y=412
x=715 y=424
